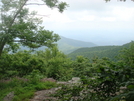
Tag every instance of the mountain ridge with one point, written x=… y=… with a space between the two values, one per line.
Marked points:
x=66 y=45
x=99 y=51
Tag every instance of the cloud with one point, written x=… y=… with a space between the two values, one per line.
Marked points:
x=87 y=18
x=108 y=19
x=123 y=13
x=80 y=5
x=82 y=11
x=83 y=16
x=113 y=19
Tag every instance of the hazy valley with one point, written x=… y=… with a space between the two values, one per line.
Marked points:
x=67 y=45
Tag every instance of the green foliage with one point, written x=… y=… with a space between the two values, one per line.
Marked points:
x=56 y=4
x=100 y=51
x=19 y=64
x=127 y=55
x=5 y=61
x=25 y=63
x=15 y=85
x=69 y=93
x=101 y=79
x=58 y=66
x=81 y=66
x=27 y=92
x=35 y=76
x=12 y=47
x=20 y=25
x=98 y=85
x=50 y=63
x=105 y=80
x=23 y=90
x=23 y=94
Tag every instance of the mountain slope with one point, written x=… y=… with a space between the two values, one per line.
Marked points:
x=67 y=45
x=75 y=43
x=99 y=51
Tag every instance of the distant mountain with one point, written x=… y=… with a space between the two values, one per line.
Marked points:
x=67 y=45
x=99 y=51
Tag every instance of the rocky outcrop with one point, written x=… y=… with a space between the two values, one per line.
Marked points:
x=45 y=95
x=9 y=97
x=74 y=80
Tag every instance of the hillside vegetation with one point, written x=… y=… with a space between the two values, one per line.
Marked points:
x=99 y=51
x=67 y=45
x=102 y=79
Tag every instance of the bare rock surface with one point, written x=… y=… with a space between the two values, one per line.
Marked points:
x=9 y=97
x=44 y=95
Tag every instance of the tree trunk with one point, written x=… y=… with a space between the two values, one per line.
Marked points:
x=2 y=44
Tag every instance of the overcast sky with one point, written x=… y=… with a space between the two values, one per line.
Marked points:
x=96 y=21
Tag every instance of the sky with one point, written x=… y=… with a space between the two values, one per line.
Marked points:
x=96 y=21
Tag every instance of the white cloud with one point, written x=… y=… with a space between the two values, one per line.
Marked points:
x=57 y=17
x=87 y=15
x=87 y=18
x=84 y=16
x=50 y=15
x=109 y=19
x=123 y=13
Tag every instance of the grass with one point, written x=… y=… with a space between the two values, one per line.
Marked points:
x=23 y=90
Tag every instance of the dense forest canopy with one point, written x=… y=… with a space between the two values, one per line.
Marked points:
x=100 y=51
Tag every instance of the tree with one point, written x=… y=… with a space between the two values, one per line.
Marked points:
x=18 y=25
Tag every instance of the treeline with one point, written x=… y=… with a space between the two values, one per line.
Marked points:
x=101 y=78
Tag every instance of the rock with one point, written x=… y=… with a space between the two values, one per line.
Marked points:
x=61 y=82
x=123 y=88
x=45 y=95
x=75 y=80
x=9 y=97
x=48 y=79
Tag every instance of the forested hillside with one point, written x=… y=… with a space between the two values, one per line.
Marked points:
x=99 y=51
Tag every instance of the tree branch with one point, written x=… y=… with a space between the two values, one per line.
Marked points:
x=35 y=4
x=40 y=15
x=26 y=41
x=17 y=13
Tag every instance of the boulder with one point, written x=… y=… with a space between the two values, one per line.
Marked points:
x=9 y=97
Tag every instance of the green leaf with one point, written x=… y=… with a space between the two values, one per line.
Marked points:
x=130 y=86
